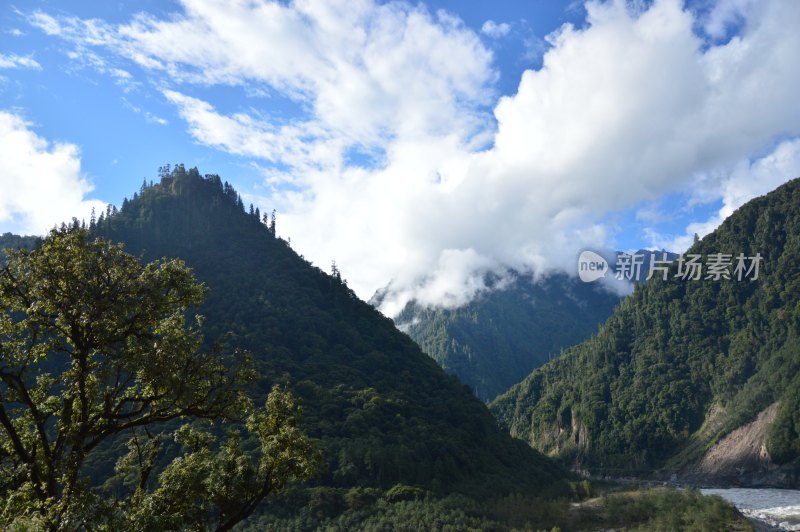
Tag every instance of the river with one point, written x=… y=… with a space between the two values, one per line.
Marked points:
x=779 y=508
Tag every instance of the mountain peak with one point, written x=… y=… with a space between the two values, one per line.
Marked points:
x=385 y=412
x=682 y=362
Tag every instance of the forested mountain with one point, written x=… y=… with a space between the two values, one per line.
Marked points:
x=405 y=446
x=643 y=258
x=385 y=412
x=12 y=241
x=681 y=362
x=497 y=339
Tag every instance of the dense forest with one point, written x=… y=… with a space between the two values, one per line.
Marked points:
x=385 y=414
x=497 y=339
x=98 y=348
x=377 y=434
x=635 y=395
x=12 y=241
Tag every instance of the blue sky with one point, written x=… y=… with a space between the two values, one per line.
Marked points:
x=118 y=126
x=418 y=143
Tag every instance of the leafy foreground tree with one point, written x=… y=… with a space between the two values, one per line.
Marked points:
x=94 y=347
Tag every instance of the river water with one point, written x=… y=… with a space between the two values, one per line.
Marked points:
x=780 y=508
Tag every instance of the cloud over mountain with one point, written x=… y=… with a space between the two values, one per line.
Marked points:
x=402 y=164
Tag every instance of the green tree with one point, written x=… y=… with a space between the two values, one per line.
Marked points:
x=95 y=346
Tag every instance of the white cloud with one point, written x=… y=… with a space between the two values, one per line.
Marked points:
x=724 y=14
x=18 y=61
x=149 y=117
x=494 y=30
x=241 y=134
x=632 y=106
x=82 y=57
x=46 y=23
x=41 y=181
x=746 y=181
x=367 y=71
x=624 y=111
x=457 y=277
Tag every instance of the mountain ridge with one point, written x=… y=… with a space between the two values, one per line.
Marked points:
x=636 y=394
x=503 y=334
x=384 y=412
x=520 y=321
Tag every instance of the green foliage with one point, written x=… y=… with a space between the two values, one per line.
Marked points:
x=221 y=483
x=669 y=509
x=401 y=492
x=451 y=513
x=13 y=242
x=496 y=340
x=633 y=395
x=650 y=509
x=94 y=346
x=784 y=433
x=384 y=412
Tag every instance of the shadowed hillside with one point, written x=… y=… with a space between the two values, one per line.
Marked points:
x=384 y=411
x=497 y=339
x=681 y=363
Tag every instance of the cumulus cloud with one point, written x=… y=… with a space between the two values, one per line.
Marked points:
x=626 y=110
x=725 y=14
x=633 y=105
x=41 y=181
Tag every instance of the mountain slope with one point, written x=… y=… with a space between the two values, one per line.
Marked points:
x=681 y=363
x=497 y=339
x=12 y=241
x=384 y=411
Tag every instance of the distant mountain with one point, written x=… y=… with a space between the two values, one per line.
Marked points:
x=682 y=363
x=497 y=339
x=12 y=241
x=385 y=412
x=505 y=333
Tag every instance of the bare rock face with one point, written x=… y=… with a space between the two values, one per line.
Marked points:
x=742 y=450
x=741 y=458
